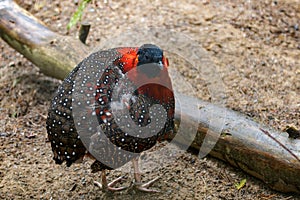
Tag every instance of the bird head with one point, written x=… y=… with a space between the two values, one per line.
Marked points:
x=150 y=60
x=147 y=68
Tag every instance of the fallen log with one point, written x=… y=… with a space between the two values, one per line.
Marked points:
x=258 y=150
x=54 y=54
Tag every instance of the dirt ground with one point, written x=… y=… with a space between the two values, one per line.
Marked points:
x=255 y=46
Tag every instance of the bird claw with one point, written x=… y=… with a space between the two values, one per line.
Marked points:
x=110 y=186
x=144 y=187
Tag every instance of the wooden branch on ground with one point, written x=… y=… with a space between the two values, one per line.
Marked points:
x=258 y=150
x=266 y=154
x=54 y=54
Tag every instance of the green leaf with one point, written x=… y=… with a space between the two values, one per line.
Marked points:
x=15 y=82
x=78 y=14
x=241 y=184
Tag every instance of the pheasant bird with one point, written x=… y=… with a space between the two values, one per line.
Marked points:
x=114 y=105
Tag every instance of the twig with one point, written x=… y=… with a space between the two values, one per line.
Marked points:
x=273 y=138
x=84 y=31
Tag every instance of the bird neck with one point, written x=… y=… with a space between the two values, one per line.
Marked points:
x=161 y=93
x=128 y=60
x=158 y=88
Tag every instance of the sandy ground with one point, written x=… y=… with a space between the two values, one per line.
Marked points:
x=255 y=46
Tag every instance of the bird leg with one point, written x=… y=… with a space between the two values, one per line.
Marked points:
x=109 y=186
x=137 y=176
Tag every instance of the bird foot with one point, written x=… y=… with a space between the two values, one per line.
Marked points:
x=110 y=186
x=144 y=187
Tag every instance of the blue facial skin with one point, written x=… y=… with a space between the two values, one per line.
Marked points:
x=150 y=60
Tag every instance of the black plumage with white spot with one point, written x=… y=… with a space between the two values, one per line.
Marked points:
x=110 y=111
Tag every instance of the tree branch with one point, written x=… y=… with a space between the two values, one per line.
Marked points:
x=54 y=54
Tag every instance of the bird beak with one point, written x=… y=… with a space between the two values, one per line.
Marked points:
x=161 y=65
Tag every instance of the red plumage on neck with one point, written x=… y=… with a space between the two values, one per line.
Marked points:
x=158 y=87
x=129 y=58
